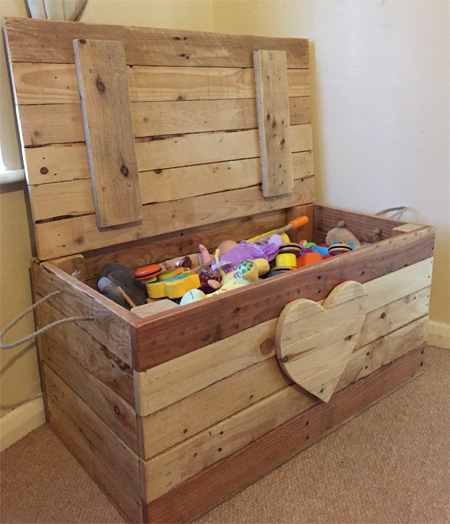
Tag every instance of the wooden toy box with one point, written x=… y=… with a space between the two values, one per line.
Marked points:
x=173 y=413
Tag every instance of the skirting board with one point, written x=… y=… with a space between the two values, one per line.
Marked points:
x=21 y=421
x=438 y=334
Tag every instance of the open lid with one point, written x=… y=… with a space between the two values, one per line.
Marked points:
x=129 y=132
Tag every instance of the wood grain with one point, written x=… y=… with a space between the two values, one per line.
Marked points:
x=51 y=42
x=314 y=341
x=108 y=130
x=272 y=104
x=120 y=457
x=120 y=492
x=63 y=237
x=57 y=83
x=214 y=483
x=117 y=414
x=63 y=123
x=74 y=198
x=154 y=342
x=87 y=351
x=111 y=324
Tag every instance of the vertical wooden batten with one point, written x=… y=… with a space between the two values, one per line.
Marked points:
x=272 y=105
x=105 y=103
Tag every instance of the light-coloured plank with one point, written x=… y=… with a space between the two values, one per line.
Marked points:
x=63 y=123
x=108 y=129
x=57 y=83
x=64 y=237
x=214 y=147
x=87 y=351
x=121 y=493
x=399 y=283
x=272 y=103
x=75 y=197
x=108 y=405
x=111 y=324
x=51 y=42
x=120 y=457
x=314 y=341
x=183 y=461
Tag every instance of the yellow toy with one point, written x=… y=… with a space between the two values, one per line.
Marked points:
x=173 y=284
x=248 y=271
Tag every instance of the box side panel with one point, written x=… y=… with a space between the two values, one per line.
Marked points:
x=168 y=336
x=105 y=321
x=114 y=466
x=215 y=483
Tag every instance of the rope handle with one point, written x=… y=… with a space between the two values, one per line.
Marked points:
x=397 y=212
x=39 y=331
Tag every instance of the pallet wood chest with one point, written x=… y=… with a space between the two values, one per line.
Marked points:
x=173 y=413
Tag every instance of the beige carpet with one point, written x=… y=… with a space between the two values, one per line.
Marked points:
x=388 y=465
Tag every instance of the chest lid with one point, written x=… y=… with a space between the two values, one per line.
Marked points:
x=130 y=133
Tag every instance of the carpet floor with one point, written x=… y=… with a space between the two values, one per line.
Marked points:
x=389 y=465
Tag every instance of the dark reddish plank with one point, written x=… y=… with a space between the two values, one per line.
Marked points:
x=219 y=481
x=367 y=228
x=171 y=334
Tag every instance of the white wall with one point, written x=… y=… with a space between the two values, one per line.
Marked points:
x=381 y=104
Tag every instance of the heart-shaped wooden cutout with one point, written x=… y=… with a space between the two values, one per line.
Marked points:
x=313 y=342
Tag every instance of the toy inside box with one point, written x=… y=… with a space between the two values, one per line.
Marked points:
x=139 y=144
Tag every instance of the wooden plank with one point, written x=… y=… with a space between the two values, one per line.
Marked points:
x=74 y=198
x=399 y=283
x=177 y=464
x=49 y=163
x=121 y=493
x=179 y=244
x=406 y=228
x=51 y=42
x=111 y=324
x=214 y=147
x=391 y=316
x=215 y=483
x=108 y=129
x=88 y=352
x=223 y=398
x=108 y=405
x=63 y=123
x=119 y=457
x=272 y=104
x=59 y=238
x=155 y=342
x=367 y=228
x=57 y=83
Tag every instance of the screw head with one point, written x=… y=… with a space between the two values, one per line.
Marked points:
x=117 y=72
x=128 y=186
x=103 y=189
x=91 y=71
x=267 y=77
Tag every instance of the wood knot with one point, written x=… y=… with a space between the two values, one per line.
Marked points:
x=124 y=170
x=82 y=41
x=267 y=346
x=101 y=86
x=44 y=170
